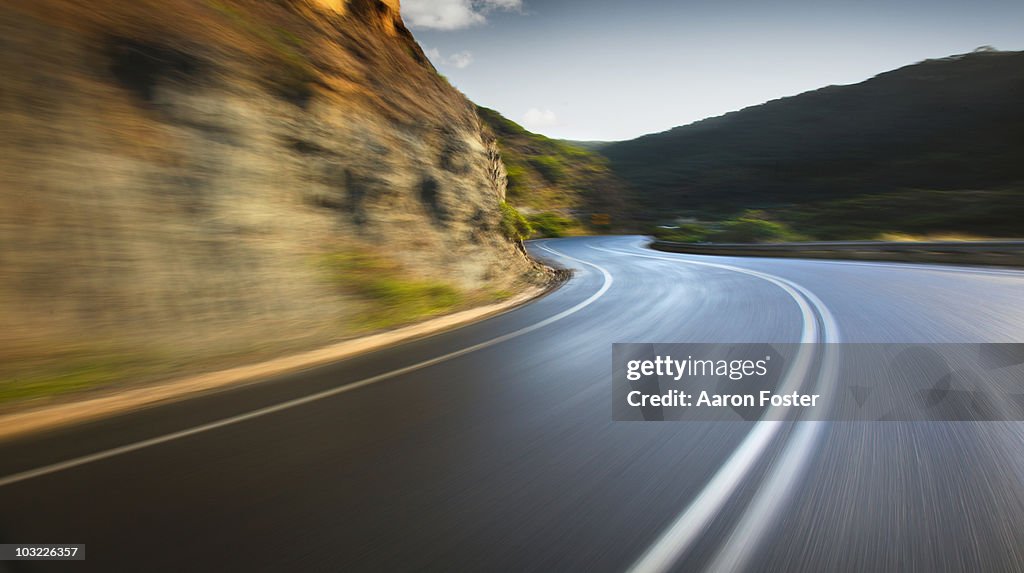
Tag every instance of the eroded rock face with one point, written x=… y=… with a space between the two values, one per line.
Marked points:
x=175 y=170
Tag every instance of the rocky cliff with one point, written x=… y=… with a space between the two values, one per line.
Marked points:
x=183 y=180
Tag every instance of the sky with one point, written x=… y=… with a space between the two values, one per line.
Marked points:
x=617 y=69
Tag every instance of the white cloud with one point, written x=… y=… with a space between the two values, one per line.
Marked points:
x=452 y=14
x=537 y=118
x=457 y=60
x=500 y=4
x=461 y=59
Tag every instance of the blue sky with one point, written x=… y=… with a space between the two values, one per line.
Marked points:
x=612 y=70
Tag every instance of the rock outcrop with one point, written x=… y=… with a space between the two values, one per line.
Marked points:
x=174 y=175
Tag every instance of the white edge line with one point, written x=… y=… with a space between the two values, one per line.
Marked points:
x=105 y=454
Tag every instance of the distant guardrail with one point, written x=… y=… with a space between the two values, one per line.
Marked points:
x=1001 y=253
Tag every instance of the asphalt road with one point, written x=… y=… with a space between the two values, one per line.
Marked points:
x=492 y=447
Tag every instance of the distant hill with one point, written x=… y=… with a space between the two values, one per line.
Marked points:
x=940 y=134
x=549 y=179
x=588 y=145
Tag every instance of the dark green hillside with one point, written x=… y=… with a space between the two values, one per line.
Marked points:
x=948 y=125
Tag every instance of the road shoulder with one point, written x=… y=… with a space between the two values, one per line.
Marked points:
x=53 y=416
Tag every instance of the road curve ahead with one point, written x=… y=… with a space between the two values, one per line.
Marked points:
x=492 y=447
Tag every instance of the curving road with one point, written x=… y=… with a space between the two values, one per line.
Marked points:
x=491 y=447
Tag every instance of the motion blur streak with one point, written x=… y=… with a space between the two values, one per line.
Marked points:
x=688 y=527
x=319 y=396
x=506 y=458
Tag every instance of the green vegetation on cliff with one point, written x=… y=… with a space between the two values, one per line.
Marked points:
x=559 y=187
x=513 y=224
x=390 y=293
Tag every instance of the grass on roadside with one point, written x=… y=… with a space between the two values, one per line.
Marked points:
x=390 y=293
x=752 y=226
x=63 y=375
x=905 y=215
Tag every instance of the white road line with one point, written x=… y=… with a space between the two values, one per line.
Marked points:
x=687 y=528
x=80 y=461
x=776 y=490
x=742 y=543
x=779 y=485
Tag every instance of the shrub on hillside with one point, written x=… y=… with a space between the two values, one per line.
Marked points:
x=685 y=233
x=551 y=167
x=753 y=227
x=516 y=174
x=513 y=224
x=550 y=225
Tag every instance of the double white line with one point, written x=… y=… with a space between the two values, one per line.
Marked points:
x=734 y=555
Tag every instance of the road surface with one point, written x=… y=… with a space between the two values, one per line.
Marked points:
x=491 y=447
